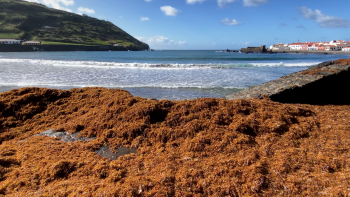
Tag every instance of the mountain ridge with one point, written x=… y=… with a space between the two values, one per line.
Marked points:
x=32 y=21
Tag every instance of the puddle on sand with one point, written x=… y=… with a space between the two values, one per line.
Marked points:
x=104 y=151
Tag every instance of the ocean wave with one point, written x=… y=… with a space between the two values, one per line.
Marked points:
x=109 y=65
x=162 y=86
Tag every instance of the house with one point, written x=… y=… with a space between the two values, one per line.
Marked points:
x=9 y=41
x=117 y=45
x=275 y=46
x=295 y=46
x=305 y=46
x=334 y=42
x=284 y=48
x=312 y=48
x=340 y=47
x=321 y=47
x=279 y=47
x=331 y=47
x=346 y=49
x=31 y=43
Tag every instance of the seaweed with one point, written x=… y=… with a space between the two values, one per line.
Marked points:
x=200 y=147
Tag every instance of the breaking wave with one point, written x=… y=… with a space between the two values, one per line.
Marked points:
x=96 y=64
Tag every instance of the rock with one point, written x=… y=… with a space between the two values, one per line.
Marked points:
x=64 y=136
x=261 y=49
x=104 y=151
x=325 y=83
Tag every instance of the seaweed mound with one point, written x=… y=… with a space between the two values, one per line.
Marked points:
x=193 y=147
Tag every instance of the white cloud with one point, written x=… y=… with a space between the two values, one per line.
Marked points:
x=55 y=3
x=160 y=41
x=324 y=20
x=144 y=19
x=86 y=10
x=140 y=38
x=222 y=3
x=194 y=1
x=65 y=2
x=169 y=11
x=253 y=2
x=227 y=21
x=33 y=1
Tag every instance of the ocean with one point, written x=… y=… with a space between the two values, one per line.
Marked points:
x=174 y=75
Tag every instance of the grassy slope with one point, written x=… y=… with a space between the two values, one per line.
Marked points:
x=24 y=20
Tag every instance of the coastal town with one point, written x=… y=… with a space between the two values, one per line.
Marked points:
x=334 y=45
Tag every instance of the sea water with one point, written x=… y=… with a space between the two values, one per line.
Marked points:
x=174 y=75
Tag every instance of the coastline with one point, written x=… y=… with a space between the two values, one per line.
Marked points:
x=36 y=48
x=311 y=52
x=88 y=140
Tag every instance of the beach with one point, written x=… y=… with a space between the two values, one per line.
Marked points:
x=105 y=141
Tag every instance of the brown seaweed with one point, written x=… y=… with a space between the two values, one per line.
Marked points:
x=201 y=147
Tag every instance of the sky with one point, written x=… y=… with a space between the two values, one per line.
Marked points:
x=218 y=24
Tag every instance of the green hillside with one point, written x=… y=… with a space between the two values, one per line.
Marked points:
x=32 y=21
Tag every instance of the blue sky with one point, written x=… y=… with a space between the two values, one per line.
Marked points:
x=219 y=24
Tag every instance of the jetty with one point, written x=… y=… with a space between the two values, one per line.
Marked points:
x=321 y=84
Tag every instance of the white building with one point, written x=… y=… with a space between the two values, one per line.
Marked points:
x=346 y=49
x=31 y=43
x=335 y=42
x=331 y=47
x=279 y=47
x=9 y=41
x=284 y=48
x=340 y=47
x=295 y=46
x=312 y=48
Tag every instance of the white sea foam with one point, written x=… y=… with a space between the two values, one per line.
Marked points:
x=299 y=64
x=109 y=65
x=163 y=86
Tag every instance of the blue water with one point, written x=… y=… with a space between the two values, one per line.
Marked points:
x=174 y=75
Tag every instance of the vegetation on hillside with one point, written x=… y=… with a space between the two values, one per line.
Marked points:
x=32 y=21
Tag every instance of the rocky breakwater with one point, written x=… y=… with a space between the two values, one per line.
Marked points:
x=326 y=83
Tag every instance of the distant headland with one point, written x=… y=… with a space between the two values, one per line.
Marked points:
x=12 y=45
x=26 y=26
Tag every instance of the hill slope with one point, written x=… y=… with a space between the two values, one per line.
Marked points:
x=31 y=21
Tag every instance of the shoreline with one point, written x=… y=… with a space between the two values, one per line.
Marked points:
x=65 y=48
x=311 y=52
x=88 y=140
